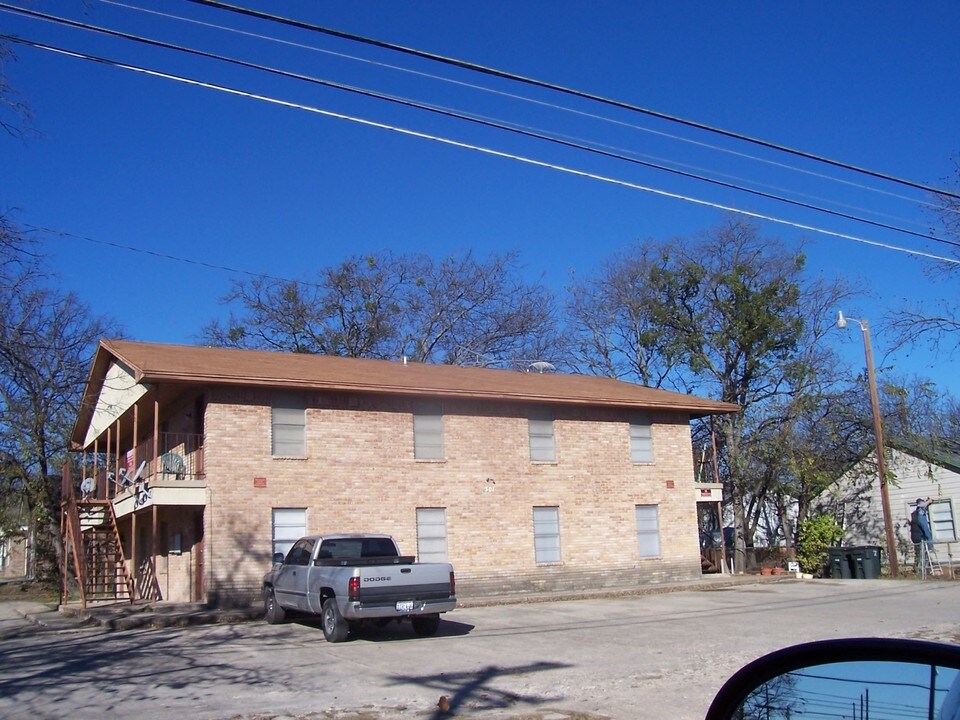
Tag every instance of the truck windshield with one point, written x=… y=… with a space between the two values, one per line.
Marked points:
x=353 y=548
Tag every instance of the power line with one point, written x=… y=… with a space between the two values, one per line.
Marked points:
x=478 y=148
x=757 y=183
x=567 y=91
x=164 y=256
x=526 y=99
x=469 y=118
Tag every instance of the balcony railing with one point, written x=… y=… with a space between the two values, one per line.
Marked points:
x=178 y=462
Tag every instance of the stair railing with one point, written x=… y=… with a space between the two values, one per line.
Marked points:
x=73 y=539
x=120 y=558
x=75 y=546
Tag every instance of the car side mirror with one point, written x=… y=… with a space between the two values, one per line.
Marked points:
x=853 y=678
x=278 y=558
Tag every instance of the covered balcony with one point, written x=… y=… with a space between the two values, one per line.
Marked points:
x=136 y=498
x=142 y=443
x=166 y=472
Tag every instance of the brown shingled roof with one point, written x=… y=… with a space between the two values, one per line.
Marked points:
x=156 y=363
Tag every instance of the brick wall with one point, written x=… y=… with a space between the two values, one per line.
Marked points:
x=360 y=475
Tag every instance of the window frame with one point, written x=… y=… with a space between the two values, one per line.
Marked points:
x=288 y=414
x=944 y=530
x=541 y=435
x=428 y=430
x=646 y=533
x=424 y=538
x=285 y=543
x=547 y=549
x=641 y=439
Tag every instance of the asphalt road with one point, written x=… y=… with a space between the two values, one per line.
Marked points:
x=650 y=656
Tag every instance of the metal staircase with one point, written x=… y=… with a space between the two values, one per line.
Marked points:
x=93 y=555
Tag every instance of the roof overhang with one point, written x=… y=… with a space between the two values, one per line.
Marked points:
x=123 y=371
x=118 y=393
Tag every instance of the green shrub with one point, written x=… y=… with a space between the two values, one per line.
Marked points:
x=814 y=535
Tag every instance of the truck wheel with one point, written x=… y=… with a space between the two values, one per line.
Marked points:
x=335 y=628
x=273 y=612
x=426 y=625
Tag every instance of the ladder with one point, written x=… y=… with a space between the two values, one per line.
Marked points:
x=929 y=562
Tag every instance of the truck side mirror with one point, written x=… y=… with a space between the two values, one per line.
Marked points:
x=278 y=558
x=919 y=678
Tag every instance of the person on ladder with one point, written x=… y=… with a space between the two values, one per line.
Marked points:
x=921 y=534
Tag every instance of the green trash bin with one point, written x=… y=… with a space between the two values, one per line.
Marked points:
x=865 y=561
x=839 y=560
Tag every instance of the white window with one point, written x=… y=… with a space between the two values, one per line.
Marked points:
x=431 y=535
x=648 y=530
x=942 y=521
x=428 y=431
x=289 y=426
x=540 y=428
x=289 y=525
x=641 y=439
x=546 y=534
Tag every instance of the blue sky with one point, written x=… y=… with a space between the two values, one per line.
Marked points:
x=880 y=688
x=171 y=169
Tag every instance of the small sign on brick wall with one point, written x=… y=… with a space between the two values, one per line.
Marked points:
x=259 y=482
x=670 y=484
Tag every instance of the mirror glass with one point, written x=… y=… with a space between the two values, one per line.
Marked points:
x=858 y=691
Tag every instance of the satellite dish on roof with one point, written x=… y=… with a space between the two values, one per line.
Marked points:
x=541 y=367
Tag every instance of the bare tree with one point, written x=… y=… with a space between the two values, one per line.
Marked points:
x=46 y=340
x=458 y=310
x=947 y=207
x=461 y=311
x=937 y=325
x=625 y=321
x=14 y=111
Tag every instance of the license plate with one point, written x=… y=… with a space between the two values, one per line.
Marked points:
x=405 y=606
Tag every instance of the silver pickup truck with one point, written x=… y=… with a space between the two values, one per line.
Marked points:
x=349 y=579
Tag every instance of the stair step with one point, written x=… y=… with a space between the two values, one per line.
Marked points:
x=99 y=553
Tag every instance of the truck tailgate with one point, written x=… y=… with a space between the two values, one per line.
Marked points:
x=389 y=584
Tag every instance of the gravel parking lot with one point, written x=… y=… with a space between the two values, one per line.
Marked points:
x=633 y=657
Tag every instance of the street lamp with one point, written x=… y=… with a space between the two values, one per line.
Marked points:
x=878 y=434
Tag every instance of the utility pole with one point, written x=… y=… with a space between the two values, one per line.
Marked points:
x=878 y=436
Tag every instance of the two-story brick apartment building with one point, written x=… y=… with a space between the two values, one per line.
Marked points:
x=212 y=459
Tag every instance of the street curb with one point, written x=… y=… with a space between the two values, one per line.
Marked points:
x=139 y=615
x=639 y=590
x=142 y=615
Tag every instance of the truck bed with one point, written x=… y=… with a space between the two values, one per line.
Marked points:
x=365 y=561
